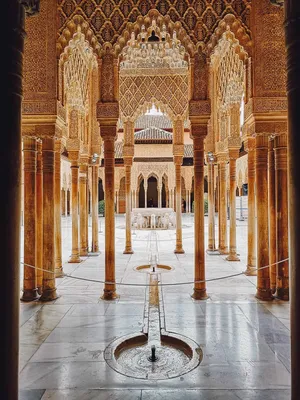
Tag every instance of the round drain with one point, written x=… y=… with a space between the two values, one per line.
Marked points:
x=133 y=356
x=160 y=268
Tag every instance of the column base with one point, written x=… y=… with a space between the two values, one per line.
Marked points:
x=59 y=273
x=128 y=251
x=212 y=252
x=251 y=270
x=30 y=295
x=74 y=259
x=264 y=294
x=40 y=290
x=200 y=294
x=109 y=295
x=224 y=251
x=179 y=251
x=232 y=257
x=95 y=249
x=283 y=294
x=49 y=295
x=94 y=254
x=83 y=253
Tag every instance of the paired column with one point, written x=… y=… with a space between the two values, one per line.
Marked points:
x=223 y=241
x=108 y=134
x=83 y=214
x=39 y=218
x=30 y=235
x=233 y=155
x=128 y=165
x=74 y=193
x=211 y=206
x=198 y=135
x=264 y=291
x=282 y=252
x=95 y=242
x=272 y=215
x=251 y=258
x=178 y=162
x=57 y=209
x=49 y=288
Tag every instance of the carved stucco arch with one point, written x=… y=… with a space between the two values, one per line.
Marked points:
x=146 y=20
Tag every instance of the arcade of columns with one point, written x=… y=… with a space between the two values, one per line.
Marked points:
x=46 y=127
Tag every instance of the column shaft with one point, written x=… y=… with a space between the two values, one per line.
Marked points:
x=282 y=217
x=261 y=163
x=223 y=240
x=29 y=282
x=199 y=256
x=109 y=170
x=178 y=249
x=83 y=212
x=57 y=209
x=128 y=245
x=146 y=195
x=211 y=208
x=272 y=215
x=251 y=258
x=74 y=193
x=49 y=288
x=39 y=218
x=95 y=243
x=232 y=200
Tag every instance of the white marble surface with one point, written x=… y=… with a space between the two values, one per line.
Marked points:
x=246 y=342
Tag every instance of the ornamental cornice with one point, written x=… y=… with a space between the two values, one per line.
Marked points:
x=266 y=127
x=35 y=107
x=262 y=105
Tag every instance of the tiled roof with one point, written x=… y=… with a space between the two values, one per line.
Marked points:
x=147 y=121
x=152 y=135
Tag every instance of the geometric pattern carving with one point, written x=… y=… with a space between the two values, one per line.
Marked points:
x=108 y=18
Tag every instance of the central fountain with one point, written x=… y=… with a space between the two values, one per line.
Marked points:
x=153 y=353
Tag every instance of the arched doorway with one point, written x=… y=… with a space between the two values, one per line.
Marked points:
x=141 y=194
x=152 y=194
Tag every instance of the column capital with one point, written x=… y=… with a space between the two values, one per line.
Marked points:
x=109 y=133
x=73 y=155
x=107 y=113
x=178 y=150
x=222 y=158
x=128 y=151
x=233 y=153
x=198 y=131
x=249 y=144
x=128 y=161
x=199 y=111
x=178 y=160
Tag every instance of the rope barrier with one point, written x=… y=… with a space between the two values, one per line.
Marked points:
x=160 y=284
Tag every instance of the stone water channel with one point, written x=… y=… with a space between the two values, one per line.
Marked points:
x=154 y=353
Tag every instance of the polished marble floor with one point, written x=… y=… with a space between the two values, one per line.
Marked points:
x=245 y=342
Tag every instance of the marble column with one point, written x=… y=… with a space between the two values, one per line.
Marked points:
x=128 y=165
x=282 y=251
x=159 y=189
x=83 y=213
x=63 y=202
x=66 y=200
x=146 y=194
x=211 y=207
x=272 y=214
x=233 y=155
x=223 y=240
x=108 y=134
x=198 y=134
x=74 y=193
x=251 y=256
x=39 y=218
x=292 y=35
x=186 y=201
x=95 y=242
x=117 y=201
x=49 y=287
x=178 y=162
x=30 y=235
x=264 y=291
x=57 y=209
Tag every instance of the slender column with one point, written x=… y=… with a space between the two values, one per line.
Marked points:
x=251 y=258
x=83 y=251
x=219 y=210
x=146 y=194
x=223 y=246
x=211 y=206
x=178 y=161
x=282 y=217
x=272 y=215
x=117 y=201
x=39 y=217
x=95 y=243
x=49 y=288
x=261 y=163
x=159 y=189
x=74 y=193
x=66 y=202
x=63 y=202
x=292 y=35
x=198 y=135
x=29 y=282
x=233 y=155
x=109 y=135
x=57 y=209
x=128 y=245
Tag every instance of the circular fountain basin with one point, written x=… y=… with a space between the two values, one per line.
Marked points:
x=159 y=268
x=176 y=355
